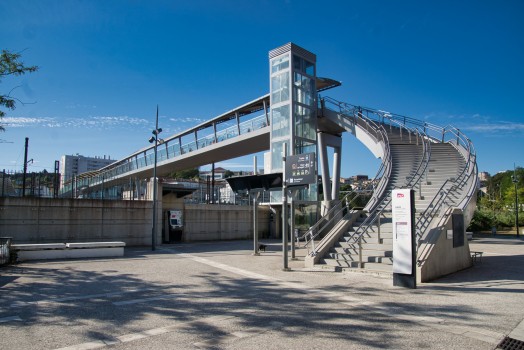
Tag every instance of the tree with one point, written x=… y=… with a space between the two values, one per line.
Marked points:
x=228 y=173
x=10 y=65
x=186 y=174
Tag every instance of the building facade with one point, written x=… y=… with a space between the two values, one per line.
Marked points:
x=76 y=165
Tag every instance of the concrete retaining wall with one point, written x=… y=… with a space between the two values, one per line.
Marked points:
x=223 y=222
x=48 y=220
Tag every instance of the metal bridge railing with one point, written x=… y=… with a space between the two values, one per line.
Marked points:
x=169 y=152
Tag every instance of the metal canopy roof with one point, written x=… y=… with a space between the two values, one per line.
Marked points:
x=253 y=183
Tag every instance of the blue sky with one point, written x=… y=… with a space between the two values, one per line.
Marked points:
x=105 y=65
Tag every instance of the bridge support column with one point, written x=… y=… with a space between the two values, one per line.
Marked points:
x=324 y=165
x=337 y=159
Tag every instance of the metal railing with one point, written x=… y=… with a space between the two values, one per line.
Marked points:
x=338 y=212
x=381 y=201
x=440 y=203
x=169 y=152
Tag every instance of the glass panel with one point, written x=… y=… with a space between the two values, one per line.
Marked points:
x=303 y=65
x=171 y=150
x=163 y=154
x=304 y=147
x=305 y=123
x=280 y=63
x=280 y=121
x=310 y=68
x=192 y=146
x=303 y=89
x=308 y=195
x=210 y=140
x=202 y=143
x=259 y=122
x=232 y=132
x=185 y=149
x=276 y=196
x=277 y=152
x=221 y=135
x=305 y=216
x=280 y=86
x=177 y=150
x=245 y=127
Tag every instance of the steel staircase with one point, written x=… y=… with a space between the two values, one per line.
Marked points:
x=416 y=155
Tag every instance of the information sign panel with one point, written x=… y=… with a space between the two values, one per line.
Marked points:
x=402 y=231
x=300 y=169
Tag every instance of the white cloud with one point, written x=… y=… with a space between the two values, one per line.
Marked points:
x=477 y=123
x=186 y=120
x=506 y=127
x=92 y=122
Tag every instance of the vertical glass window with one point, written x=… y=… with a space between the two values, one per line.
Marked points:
x=280 y=120
x=280 y=88
x=303 y=65
x=280 y=63
x=309 y=68
x=304 y=147
x=277 y=152
x=305 y=123
x=303 y=89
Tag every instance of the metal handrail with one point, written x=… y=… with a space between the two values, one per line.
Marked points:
x=385 y=166
x=309 y=235
x=386 y=200
x=378 y=208
x=470 y=172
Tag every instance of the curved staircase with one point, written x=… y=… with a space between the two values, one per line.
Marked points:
x=416 y=155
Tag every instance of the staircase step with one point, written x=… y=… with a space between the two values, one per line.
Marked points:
x=365 y=258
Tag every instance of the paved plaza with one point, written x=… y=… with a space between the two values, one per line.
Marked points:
x=218 y=295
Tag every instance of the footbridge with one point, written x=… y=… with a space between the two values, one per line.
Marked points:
x=438 y=162
x=250 y=133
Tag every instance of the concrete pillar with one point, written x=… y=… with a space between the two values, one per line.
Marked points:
x=337 y=159
x=324 y=165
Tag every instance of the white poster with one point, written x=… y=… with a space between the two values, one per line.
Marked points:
x=402 y=231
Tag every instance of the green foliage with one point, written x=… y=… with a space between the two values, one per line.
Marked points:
x=509 y=197
x=228 y=173
x=10 y=65
x=484 y=220
x=186 y=174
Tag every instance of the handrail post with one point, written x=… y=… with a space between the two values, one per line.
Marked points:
x=458 y=134
x=379 y=229
x=360 y=251
x=313 y=252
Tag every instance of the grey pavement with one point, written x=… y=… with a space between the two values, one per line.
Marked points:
x=218 y=295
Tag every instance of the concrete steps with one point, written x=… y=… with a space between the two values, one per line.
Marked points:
x=445 y=164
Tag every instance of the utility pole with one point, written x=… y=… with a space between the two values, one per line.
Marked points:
x=514 y=177
x=25 y=166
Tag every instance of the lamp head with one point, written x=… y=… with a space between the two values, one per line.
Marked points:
x=152 y=139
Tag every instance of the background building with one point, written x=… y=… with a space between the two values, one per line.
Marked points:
x=75 y=165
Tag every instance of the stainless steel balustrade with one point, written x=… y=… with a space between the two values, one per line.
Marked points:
x=173 y=151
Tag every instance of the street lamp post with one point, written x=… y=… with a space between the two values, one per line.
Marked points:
x=155 y=140
x=514 y=177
